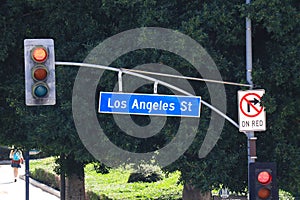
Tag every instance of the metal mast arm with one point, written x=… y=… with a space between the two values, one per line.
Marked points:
x=151 y=79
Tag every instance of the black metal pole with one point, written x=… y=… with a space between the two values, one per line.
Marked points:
x=27 y=174
x=62 y=179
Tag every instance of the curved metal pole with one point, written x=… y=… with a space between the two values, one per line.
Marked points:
x=151 y=79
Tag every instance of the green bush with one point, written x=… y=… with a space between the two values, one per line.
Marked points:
x=285 y=195
x=92 y=196
x=45 y=177
x=101 y=168
x=146 y=173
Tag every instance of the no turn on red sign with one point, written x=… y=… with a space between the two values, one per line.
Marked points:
x=252 y=115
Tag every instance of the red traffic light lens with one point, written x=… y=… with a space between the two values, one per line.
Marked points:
x=263 y=193
x=39 y=54
x=264 y=177
x=39 y=73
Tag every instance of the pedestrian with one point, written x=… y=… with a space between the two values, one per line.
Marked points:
x=16 y=160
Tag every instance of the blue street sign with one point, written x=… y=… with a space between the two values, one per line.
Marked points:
x=149 y=104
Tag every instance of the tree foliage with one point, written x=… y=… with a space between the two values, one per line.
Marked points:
x=219 y=26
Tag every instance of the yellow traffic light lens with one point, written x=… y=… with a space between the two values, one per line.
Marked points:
x=264 y=177
x=39 y=54
x=39 y=73
x=263 y=193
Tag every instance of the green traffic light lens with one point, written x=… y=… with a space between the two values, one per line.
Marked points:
x=40 y=90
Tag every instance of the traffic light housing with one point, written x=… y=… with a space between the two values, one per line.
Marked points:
x=263 y=183
x=39 y=72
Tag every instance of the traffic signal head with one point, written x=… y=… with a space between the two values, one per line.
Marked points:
x=39 y=72
x=263 y=185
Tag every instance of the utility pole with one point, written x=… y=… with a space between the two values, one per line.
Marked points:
x=251 y=139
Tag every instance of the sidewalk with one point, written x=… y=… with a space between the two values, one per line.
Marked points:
x=10 y=190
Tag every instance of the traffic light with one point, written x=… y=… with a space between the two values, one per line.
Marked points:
x=263 y=184
x=39 y=72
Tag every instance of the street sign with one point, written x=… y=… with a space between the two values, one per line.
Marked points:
x=149 y=104
x=252 y=115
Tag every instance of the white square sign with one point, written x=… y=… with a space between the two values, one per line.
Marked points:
x=252 y=115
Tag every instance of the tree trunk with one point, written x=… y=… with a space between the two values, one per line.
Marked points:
x=192 y=193
x=75 y=188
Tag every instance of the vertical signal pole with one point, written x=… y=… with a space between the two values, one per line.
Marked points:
x=27 y=175
x=251 y=140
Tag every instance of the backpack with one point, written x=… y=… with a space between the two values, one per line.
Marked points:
x=16 y=156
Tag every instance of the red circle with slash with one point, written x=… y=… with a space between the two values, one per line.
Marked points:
x=251 y=105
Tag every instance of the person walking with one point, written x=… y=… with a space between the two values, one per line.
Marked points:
x=16 y=160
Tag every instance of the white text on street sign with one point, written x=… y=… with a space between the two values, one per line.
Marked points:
x=149 y=104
